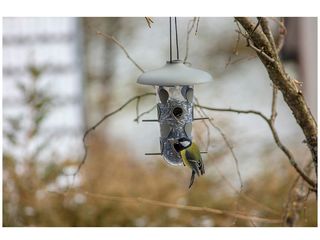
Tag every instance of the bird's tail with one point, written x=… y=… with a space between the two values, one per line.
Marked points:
x=192 y=178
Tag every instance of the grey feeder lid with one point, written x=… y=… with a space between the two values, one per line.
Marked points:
x=174 y=73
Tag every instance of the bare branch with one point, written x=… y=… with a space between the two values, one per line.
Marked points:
x=207 y=127
x=137 y=106
x=97 y=124
x=197 y=27
x=215 y=211
x=274 y=104
x=256 y=26
x=232 y=152
x=275 y=136
x=225 y=140
x=259 y=51
x=233 y=110
x=149 y=21
x=144 y=113
x=235 y=48
x=281 y=79
x=112 y=38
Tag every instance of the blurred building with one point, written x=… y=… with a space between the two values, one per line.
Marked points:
x=54 y=46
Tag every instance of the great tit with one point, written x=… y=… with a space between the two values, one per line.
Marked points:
x=191 y=156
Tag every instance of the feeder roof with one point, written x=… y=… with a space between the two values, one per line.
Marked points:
x=174 y=73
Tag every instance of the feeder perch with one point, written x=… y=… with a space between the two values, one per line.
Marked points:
x=174 y=90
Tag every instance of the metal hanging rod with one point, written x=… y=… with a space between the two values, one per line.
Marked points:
x=155 y=120
x=177 y=41
x=170 y=38
x=160 y=154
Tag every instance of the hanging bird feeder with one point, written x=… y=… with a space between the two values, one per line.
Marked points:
x=174 y=84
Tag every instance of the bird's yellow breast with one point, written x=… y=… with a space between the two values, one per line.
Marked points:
x=192 y=149
x=184 y=158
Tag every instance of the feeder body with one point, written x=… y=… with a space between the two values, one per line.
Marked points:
x=175 y=115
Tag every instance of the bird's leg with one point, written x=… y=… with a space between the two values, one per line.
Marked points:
x=192 y=178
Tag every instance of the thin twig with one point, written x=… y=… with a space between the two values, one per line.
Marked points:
x=205 y=123
x=144 y=113
x=233 y=155
x=282 y=32
x=149 y=21
x=178 y=206
x=248 y=58
x=256 y=26
x=233 y=110
x=226 y=141
x=137 y=108
x=207 y=127
x=197 y=27
x=259 y=51
x=291 y=159
x=112 y=38
x=234 y=50
x=274 y=104
x=97 y=124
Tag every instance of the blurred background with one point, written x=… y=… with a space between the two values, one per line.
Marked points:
x=60 y=78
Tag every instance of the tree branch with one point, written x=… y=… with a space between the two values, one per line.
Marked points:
x=274 y=134
x=283 y=82
x=100 y=122
x=149 y=21
x=144 y=113
x=226 y=141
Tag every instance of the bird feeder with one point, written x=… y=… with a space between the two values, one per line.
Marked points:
x=174 y=84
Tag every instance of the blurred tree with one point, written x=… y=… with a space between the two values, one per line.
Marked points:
x=99 y=65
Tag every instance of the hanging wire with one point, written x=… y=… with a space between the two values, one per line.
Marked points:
x=170 y=40
x=177 y=41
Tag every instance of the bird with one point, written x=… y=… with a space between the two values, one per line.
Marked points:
x=190 y=156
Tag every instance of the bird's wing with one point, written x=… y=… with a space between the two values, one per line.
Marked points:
x=198 y=154
x=193 y=153
x=193 y=162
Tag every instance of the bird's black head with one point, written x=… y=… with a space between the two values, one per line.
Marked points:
x=182 y=144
